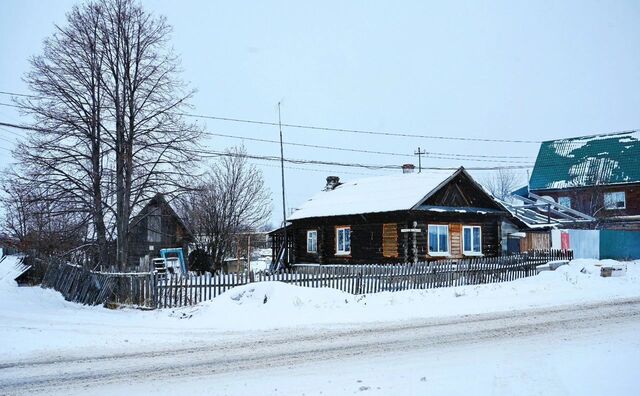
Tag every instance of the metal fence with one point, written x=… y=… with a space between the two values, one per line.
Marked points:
x=168 y=291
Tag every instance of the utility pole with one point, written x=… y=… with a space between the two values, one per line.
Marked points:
x=420 y=153
x=248 y=252
x=285 y=260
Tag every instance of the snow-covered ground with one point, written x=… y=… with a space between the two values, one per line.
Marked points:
x=39 y=328
x=35 y=321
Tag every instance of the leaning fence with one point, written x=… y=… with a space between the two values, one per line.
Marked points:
x=177 y=290
x=79 y=284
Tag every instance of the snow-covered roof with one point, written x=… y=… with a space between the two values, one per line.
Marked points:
x=372 y=195
x=587 y=161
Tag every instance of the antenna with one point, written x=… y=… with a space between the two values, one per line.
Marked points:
x=420 y=153
x=284 y=205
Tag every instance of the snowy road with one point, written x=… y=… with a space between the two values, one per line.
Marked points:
x=562 y=350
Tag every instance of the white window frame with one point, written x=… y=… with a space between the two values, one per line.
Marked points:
x=438 y=253
x=468 y=251
x=342 y=252
x=613 y=193
x=314 y=240
x=567 y=198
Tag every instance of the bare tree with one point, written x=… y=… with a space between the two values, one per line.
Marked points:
x=40 y=226
x=65 y=159
x=232 y=199
x=152 y=143
x=503 y=182
x=108 y=107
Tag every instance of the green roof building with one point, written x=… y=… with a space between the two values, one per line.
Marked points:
x=587 y=161
x=597 y=175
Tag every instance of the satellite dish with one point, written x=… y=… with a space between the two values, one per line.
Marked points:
x=545 y=199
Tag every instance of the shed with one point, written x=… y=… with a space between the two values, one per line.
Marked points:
x=157 y=226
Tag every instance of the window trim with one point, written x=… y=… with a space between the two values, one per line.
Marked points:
x=624 y=200
x=342 y=252
x=439 y=254
x=309 y=232
x=464 y=248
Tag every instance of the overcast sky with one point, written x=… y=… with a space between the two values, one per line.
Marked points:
x=507 y=70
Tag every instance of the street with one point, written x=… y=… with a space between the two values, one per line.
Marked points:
x=497 y=353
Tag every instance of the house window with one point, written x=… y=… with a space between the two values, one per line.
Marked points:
x=471 y=240
x=615 y=200
x=154 y=226
x=565 y=201
x=438 y=240
x=312 y=241
x=343 y=240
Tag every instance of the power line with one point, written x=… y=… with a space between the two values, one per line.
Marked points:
x=346 y=130
x=213 y=153
x=318 y=170
x=434 y=155
x=357 y=131
x=206 y=152
x=328 y=129
x=19 y=94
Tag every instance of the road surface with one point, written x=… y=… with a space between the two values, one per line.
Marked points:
x=562 y=350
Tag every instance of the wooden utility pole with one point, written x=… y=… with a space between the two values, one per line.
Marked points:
x=284 y=206
x=420 y=153
x=248 y=252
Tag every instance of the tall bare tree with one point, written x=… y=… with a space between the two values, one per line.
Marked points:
x=107 y=104
x=232 y=199
x=153 y=145
x=65 y=158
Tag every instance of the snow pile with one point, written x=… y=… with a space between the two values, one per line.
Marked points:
x=282 y=295
x=37 y=321
x=271 y=304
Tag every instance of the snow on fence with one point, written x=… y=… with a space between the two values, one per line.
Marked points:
x=169 y=291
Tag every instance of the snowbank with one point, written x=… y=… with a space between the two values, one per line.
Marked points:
x=35 y=320
x=272 y=304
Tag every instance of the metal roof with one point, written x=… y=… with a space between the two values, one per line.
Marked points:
x=587 y=161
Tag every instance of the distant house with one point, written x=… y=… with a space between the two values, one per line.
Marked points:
x=7 y=245
x=596 y=175
x=157 y=226
x=405 y=217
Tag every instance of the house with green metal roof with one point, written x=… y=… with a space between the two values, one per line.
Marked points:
x=597 y=175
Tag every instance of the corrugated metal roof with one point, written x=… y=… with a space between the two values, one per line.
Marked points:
x=587 y=161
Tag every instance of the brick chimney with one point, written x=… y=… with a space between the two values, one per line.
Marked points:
x=408 y=168
x=332 y=182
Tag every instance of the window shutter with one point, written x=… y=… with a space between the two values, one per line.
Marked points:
x=455 y=231
x=390 y=240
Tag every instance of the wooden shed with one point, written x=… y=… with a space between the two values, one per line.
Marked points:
x=157 y=226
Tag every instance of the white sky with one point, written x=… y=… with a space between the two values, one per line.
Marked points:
x=519 y=70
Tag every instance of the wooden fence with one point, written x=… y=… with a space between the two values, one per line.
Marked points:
x=184 y=290
x=168 y=291
x=81 y=285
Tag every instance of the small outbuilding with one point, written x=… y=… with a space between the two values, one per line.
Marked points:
x=157 y=226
